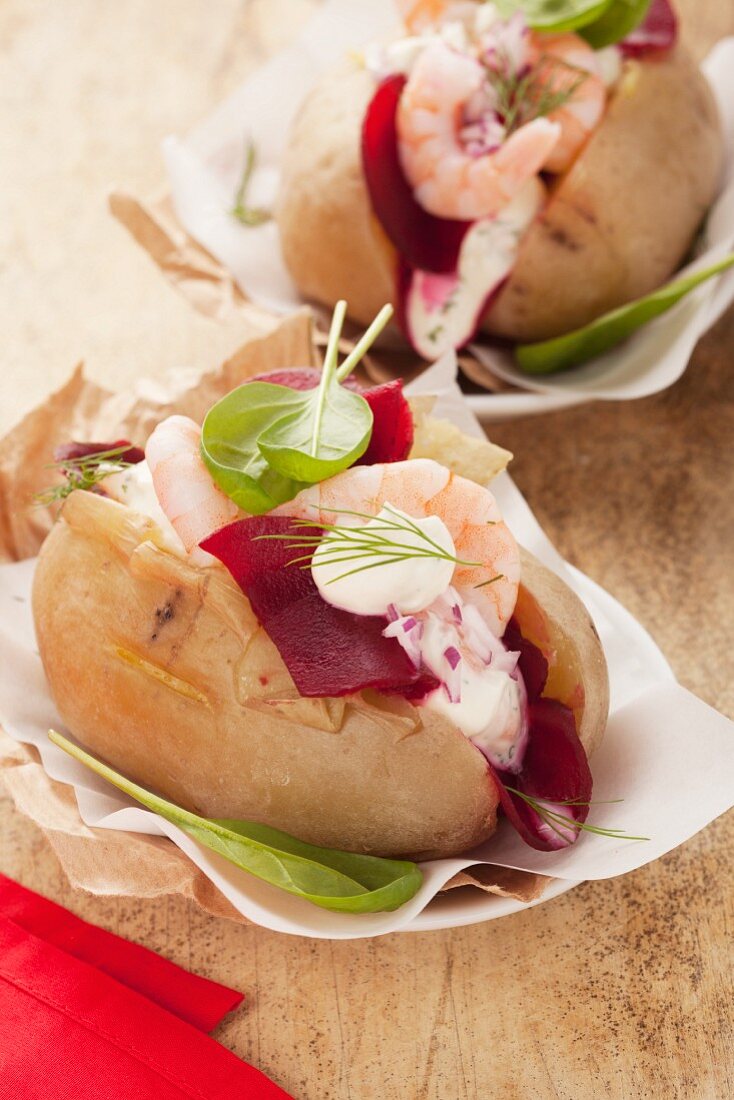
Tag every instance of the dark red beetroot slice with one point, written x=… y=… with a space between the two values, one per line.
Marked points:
x=67 y=452
x=392 y=429
x=657 y=31
x=554 y=770
x=327 y=651
x=423 y=240
x=532 y=663
x=300 y=378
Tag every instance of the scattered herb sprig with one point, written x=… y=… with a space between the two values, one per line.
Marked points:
x=85 y=472
x=524 y=96
x=381 y=540
x=250 y=216
x=555 y=820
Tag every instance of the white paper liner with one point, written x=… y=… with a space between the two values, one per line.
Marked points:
x=666 y=753
x=204 y=169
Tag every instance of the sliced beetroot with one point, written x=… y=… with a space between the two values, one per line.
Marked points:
x=392 y=428
x=657 y=31
x=72 y=452
x=423 y=240
x=554 y=770
x=300 y=378
x=327 y=651
x=532 y=663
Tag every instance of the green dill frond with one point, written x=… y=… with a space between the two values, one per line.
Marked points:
x=545 y=88
x=85 y=472
x=556 y=821
x=352 y=545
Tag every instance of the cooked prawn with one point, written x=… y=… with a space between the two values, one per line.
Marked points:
x=446 y=178
x=570 y=63
x=422 y=487
x=186 y=492
x=418 y=15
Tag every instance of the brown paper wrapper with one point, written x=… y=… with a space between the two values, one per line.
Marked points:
x=102 y=861
x=212 y=291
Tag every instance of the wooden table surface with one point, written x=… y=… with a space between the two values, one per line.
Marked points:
x=618 y=989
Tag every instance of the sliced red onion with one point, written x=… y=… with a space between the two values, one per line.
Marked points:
x=392 y=613
x=453 y=656
x=407 y=631
x=451 y=680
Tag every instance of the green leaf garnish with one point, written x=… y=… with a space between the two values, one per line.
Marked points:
x=249 y=215
x=614 y=24
x=263 y=443
x=329 y=429
x=229 y=445
x=555 y=15
x=341 y=881
x=607 y=331
x=524 y=96
x=600 y=22
x=349 y=545
x=544 y=810
x=85 y=472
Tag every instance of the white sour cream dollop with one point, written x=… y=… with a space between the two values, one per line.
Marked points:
x=404 y=581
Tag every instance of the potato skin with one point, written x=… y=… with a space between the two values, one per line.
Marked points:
x=332 y=243
x=617 y=225
x=161 y=668
x=620 y=222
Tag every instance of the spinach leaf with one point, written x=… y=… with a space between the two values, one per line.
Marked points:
x=340 y=881
x=619 y=20
x=555 y=15
x=229 y=445
x=263 y=443
x=605 y=332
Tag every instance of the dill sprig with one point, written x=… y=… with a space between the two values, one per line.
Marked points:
x=84 y=472
x=524 y=96
x=248 y=215
x=554 y=819
x=347 y=545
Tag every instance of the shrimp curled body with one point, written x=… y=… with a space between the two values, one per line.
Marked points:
x=184 y=487
x=421 y=487
x=447 y=180
x=570 y=63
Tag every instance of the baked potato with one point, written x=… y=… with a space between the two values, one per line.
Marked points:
x=161 y=668
x=616 y=225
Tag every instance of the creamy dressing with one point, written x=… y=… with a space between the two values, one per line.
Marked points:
x=385 y=580
x=482 y=692
x=484 y=695
x=442 y=310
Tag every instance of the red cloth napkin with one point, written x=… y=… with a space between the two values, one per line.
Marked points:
x=89 y=1016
